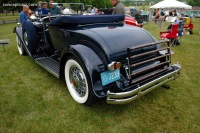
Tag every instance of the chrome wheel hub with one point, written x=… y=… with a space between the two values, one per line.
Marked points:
x=77 y=80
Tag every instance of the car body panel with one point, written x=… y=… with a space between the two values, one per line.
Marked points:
x=105 y=40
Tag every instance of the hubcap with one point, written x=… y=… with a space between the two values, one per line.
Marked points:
x=77 y=80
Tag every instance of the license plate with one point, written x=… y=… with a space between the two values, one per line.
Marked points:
x=110 y=76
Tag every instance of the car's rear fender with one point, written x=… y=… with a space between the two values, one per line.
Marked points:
x=94 y=63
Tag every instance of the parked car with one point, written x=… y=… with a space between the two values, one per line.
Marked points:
x=99 y=57
x=129 y=19
x=131 y=11
x=128 y=10
x=197 y=15
x=106 y=10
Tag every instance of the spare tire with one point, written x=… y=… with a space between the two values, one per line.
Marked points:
x=30 y=36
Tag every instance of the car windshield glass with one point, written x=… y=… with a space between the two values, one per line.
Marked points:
x=69 y=8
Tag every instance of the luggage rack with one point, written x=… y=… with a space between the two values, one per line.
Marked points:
x=148 y=71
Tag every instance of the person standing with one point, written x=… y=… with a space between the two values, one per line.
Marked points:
x=42 y=8
x=161 y=18
x=38 y=10
x=119 y=7
x=54 y=9
x=23 y=14
x=93 y=11
x=45 y=9
x=153 y=18
x=157 y=14
x=141 y=11
x=162 y=13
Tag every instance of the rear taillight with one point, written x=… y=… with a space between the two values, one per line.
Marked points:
x=114 y=65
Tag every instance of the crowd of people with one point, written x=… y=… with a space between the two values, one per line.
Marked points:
x=45 y=8
x=94 y=11
x=119 y=8
x=42 y=8
x=159 y=16
x=157 y=13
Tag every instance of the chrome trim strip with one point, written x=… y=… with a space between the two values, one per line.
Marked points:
x=126 y=97
x=149 y=44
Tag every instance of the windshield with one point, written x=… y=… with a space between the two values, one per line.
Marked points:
x=70 y=8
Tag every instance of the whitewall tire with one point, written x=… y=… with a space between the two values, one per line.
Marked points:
x=76 y=81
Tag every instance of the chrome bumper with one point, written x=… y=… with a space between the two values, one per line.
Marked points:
x=126 y=97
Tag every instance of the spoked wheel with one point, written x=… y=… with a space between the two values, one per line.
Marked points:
x=20 y=47
x=78 y=84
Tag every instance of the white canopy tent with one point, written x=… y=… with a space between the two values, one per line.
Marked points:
x=171 y=4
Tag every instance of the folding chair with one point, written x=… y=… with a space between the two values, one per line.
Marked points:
x=188 y=25
x=171 y=34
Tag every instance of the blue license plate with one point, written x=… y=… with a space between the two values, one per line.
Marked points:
x=110 y=76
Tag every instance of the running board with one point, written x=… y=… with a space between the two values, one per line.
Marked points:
x=50 y=65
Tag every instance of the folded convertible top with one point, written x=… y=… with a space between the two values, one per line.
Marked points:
x=68 y=21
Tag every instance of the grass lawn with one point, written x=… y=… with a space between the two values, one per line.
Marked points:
x=9 y=16
x=33 y=100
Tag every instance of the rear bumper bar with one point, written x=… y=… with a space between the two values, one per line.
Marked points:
x=126 y=97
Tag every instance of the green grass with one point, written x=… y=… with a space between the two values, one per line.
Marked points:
x=32 y=100
x=9 y=16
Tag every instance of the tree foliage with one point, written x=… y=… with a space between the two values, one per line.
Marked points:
x=95 y=3
x=194 y=2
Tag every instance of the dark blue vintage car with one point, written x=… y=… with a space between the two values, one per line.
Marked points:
x=99 y=56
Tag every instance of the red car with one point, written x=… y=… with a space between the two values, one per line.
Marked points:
x=131 y=21
x=128 y=18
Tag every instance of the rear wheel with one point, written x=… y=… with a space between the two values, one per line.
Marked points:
x=20 y=47
x=77 y=82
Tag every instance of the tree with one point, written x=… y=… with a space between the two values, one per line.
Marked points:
x=96 y=3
